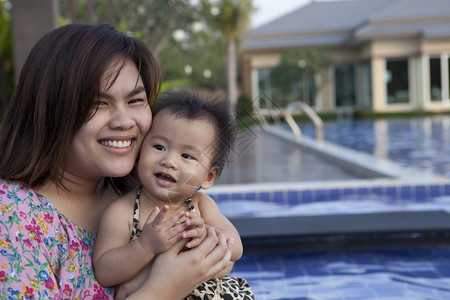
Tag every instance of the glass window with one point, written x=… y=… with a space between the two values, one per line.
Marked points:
x=448 y=92
x=366 y=85
x=435 y=79
x=397 y=81
x=344 y=78
x=284 y=86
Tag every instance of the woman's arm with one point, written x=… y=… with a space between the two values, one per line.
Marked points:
x=175 y=273
x=213 y=217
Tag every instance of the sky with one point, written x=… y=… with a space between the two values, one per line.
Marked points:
x=268 y=10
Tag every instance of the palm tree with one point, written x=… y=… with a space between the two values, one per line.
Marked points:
x=232 y=19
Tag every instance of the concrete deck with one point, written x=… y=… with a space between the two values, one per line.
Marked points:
x=261 y=157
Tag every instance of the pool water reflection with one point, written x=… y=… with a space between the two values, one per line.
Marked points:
x=422 y=142
x=376 y=274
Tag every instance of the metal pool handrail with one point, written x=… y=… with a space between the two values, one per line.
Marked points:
x=301 y=106
x=293 y=108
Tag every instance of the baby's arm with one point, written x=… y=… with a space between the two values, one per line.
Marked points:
x=116 y=259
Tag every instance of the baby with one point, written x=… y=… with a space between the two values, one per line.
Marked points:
x=184 y=151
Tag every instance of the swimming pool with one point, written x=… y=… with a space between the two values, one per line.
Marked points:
x=377 y=273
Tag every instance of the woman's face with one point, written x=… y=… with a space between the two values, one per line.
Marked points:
x=108 y=144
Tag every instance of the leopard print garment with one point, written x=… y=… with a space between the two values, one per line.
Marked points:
x=227 y=288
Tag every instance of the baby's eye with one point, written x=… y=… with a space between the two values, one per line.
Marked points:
x=159 y=147
x=187 y=156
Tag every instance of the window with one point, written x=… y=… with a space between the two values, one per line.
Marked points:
x=397 y=81
x=344 y=78
x=366 y=84
x=435 y=79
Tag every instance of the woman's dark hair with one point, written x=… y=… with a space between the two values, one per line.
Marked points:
x=56 y=93
x=190 y=105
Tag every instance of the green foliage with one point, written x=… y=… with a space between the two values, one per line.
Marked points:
x=6 y=58
x=294 y=78
x=232 y=17
x=156 y=22
x=172 y=84
x=5 y=32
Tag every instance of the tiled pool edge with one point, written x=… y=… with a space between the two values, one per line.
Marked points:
x=297 y=193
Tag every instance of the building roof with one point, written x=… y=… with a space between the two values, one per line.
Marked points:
x=331 y=23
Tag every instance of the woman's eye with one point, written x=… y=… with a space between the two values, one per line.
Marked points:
x=159 y=147
x=137 y=101
x=187 y=156
x=100 y=103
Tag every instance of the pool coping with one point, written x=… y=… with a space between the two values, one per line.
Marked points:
x=399 y=221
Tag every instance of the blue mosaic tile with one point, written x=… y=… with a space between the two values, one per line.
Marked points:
x=377 y=190
x=362 y=191
x=420 y=193
x=236 y=196
x=250 y=196
x=278 y=197
x=320 y=196
x=264 y=196
x=435 y=190
x=334 y=194
x=406 y=192
x=391 y=191
x=306 y=196
x=293 y=198
x=221 y=197
x=348 y=192
x=447 y=189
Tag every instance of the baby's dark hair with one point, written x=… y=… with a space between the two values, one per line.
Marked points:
x=190 y=105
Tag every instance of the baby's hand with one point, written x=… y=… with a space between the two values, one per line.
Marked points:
x=196 y=230
x=157 y=235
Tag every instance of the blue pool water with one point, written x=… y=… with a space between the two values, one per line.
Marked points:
x=381 y=273
x=415 y=274
x=423 y=142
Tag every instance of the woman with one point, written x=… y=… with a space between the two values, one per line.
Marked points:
x=70 y=137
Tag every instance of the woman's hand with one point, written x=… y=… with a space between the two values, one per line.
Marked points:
x=196 y=231
x=175 y=273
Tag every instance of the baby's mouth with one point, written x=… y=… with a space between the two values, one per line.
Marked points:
x=165 y=176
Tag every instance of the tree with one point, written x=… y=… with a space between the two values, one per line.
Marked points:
x=294 y=79
x=6 y=63
x=231 y=18
x=177 y=32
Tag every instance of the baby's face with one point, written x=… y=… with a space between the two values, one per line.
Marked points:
x=176 y=157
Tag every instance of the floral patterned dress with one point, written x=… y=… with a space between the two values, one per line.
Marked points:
x=43 y=255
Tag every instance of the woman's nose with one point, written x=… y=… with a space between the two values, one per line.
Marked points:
x=122 y=119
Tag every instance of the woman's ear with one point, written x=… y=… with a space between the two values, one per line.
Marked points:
x=212 y=175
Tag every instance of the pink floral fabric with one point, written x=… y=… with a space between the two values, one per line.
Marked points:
x=42 y=254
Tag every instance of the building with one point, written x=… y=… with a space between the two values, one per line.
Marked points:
x=384 y=55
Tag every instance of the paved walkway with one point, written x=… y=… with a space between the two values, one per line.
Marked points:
x=260 y=157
